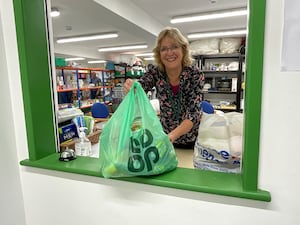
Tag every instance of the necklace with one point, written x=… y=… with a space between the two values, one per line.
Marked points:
x=175 y=99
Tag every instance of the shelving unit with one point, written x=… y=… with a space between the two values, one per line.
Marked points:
x=124 y=71
x=224 y=74
x=76 y=84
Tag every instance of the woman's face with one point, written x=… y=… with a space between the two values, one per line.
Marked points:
x=171 y=53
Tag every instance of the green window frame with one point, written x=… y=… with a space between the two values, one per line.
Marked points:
x=35 y=70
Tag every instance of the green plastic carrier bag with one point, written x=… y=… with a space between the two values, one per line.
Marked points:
x=132 y=142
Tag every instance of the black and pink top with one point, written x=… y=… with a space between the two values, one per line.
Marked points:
x=176 y=102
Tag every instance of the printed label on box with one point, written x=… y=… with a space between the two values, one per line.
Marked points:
x=67 y=132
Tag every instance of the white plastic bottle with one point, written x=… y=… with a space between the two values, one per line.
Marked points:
x=83 y=146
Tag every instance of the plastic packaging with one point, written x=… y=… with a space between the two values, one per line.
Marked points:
x=133 y=142
x=230 y=45
x=219 y=143
x=83 y=146
x=205 y=46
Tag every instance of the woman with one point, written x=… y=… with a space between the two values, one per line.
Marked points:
x=97 y=82
x=177 y=85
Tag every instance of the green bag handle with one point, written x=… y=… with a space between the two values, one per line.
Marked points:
x=136 y=91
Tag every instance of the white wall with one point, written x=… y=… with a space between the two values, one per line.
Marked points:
x=59 y=198
x=11 y=200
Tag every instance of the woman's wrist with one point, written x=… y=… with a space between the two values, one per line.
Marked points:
x=171 y=137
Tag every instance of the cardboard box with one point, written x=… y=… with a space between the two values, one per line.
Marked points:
x=67 y=132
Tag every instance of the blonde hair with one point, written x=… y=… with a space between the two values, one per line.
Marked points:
x=177 y=36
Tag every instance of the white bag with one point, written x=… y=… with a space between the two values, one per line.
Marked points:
x=230 y=45
x=219 y=143
x=205 y=46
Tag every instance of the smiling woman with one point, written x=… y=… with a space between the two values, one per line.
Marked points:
x=35 y=69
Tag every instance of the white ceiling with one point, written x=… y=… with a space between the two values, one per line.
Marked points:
x=136 y=21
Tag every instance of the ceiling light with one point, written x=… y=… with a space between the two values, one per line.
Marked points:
x=54 y=12
x=145 y=54
x=73 y=59
x=231 y=33
x=149 y=58
x=210 y=15
x=87 y=38
x=120 y=48
x=97 y=61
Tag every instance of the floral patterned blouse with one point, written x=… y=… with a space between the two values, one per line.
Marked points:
x=175 y=108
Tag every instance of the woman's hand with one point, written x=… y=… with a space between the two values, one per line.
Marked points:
x=185 y=126
x=127 y=85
